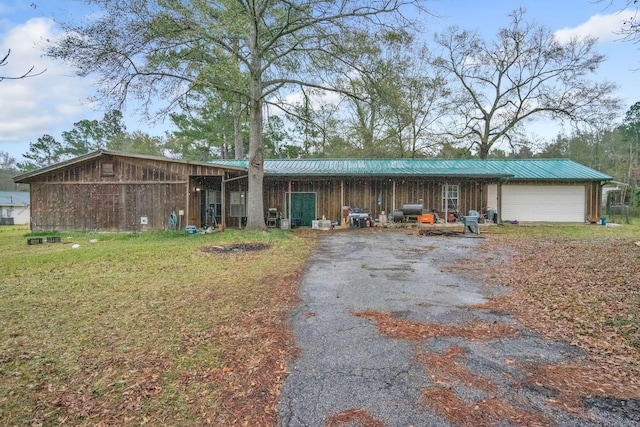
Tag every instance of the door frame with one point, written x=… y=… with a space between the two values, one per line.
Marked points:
x=287 y=207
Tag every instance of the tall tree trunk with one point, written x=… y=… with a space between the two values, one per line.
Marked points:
x=238 y=139
x=255 y=204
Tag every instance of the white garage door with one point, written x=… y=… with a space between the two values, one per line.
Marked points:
x=544 y=203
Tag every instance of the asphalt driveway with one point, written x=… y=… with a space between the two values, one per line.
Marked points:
x=349 y=373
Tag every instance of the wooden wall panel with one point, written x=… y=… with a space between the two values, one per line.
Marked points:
x=373 y=195
x=104 y=207
x=79 y=197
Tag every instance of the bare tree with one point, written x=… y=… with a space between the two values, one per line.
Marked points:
x=5 y=60
x=630 y=29
x=525 y=73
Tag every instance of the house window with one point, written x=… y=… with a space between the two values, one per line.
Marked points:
x=450 y=194
x=238 y=204
x=107 y=169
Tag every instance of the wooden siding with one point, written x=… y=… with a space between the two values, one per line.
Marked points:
x=111 y=207
x=374 y=195
x=113 y=192
x=594 y=201
x=81 y=197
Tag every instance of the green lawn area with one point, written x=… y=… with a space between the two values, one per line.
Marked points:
x=144 y=328
x=165 y=329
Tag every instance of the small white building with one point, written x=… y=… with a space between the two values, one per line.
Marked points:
x=14 y=207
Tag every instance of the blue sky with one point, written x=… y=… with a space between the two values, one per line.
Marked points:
x=52 y=102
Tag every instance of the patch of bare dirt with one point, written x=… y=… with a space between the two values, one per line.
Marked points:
x=236 y=248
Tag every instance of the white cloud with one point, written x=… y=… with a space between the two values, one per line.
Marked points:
x=32 y=107
x=603 y=27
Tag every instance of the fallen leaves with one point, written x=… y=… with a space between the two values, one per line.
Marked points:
x=488 y=412
x=409 y=330
x=354 y=417
x=576 y=382
x=446 y=370
x=583 y=292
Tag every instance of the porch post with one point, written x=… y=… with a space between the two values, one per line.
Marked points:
x=499 y=208
x=394 y=196
x=341 y=197
x=186 y=209
x=289 y=210
x=445 y=192
x=224 y=204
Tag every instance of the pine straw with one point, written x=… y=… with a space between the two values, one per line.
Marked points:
x=445 y=368
x=251 y=379
x=575 y=382
x=488 y=412
x=447 y=372
x=254 y=374
x=585 y=293
x=415 y=331
x=354 y=417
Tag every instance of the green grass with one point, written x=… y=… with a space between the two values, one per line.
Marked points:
x=84 y=330
x=579 y=231
x=136 y=328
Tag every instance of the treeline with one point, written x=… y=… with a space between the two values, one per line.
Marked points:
x=88 y=136
x=614 y=151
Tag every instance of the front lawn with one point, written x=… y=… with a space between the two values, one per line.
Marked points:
x=176 y=329
x=150 y=328
x=580 y=285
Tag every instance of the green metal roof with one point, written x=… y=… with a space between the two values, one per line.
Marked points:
x=521 y=169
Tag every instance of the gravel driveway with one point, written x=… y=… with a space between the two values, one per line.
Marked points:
x=349 y=373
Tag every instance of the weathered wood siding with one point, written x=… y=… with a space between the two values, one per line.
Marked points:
x=113 y=192
x=373 y=195
x=82 y=197
x=594 y=201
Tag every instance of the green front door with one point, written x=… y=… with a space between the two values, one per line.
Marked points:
x=303 y=208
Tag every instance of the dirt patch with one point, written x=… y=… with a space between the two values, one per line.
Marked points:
x=236 y=248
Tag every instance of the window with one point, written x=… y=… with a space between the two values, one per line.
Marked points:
x=450 y=197
x=107 y=169
x=238 y=204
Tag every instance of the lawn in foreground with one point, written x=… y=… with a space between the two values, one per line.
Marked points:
x=580 y=285
x=145 y=328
